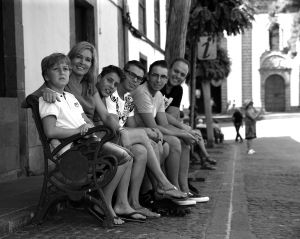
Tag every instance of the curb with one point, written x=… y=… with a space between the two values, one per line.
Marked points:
x=15 y=220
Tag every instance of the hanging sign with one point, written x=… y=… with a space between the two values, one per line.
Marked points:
x=207 y=48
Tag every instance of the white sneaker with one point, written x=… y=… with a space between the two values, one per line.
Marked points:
x=184 y=202
x=198 y=198
x=251 y=151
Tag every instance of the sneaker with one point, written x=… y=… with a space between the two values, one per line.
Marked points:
x=184 y=202
x=198 y=198
x=251 y=151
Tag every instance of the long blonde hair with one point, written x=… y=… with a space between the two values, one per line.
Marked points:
x=91 y=76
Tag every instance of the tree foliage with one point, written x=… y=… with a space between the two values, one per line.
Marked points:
x=212 y=17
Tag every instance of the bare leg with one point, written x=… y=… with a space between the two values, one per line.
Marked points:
x=109 y=189
x=122 y=205
x=122 y=155
x=184 y=167
x=249 y=144
x=172 y=163
x=140 y=136
x=137 y=173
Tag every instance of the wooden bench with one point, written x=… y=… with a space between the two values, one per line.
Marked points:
x=78 y=174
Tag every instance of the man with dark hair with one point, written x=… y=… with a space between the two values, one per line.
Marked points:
x=150 y=112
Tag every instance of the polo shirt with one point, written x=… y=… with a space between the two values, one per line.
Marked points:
x=68 y=111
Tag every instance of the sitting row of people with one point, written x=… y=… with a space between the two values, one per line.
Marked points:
x=152 y=145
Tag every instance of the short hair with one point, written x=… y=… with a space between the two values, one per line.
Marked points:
x=91 y=76
x=55 y=58
x=182 y=60
x=111 y=68
x=161 y=63
x=135 y=63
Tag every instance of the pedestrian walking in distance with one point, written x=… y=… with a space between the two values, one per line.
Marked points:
x=251 y=115
x=237 y=118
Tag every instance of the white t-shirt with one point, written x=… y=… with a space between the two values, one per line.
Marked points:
x=122 y=108
x=146 y=103
x=68 y=111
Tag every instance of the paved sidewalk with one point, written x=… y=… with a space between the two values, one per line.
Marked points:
x=207 y=220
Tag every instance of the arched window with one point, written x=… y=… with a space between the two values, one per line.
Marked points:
x=274 y=37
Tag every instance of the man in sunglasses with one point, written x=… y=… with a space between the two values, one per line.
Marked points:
x=150 y=112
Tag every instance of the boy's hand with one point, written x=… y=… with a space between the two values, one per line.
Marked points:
x=125 y=138
x=50 y=96
x=84 y=128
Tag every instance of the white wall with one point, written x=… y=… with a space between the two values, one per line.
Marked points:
x=260 y=40
x=46 y=30
x=260 y=44
x=108 y=33
x=286 y=21
x=136 y=45
x=234 y=79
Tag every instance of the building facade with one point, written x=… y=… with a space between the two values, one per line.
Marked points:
x=262 y=67
x=121 y=30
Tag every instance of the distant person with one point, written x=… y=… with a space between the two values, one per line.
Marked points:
x=237 y=119
x=251 y=115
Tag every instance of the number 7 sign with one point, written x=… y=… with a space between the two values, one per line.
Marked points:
x=207 y=48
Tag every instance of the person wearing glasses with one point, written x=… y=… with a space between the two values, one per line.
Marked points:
x=173 y=91
x=150 y=112
x=84 y=62
x=114 y=87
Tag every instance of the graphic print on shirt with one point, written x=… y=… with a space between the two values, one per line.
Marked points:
x=128 y=108
x=167 y=101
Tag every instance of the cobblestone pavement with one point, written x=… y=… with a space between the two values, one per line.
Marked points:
x=78 y=224
x=252 y=196
x=272 y=185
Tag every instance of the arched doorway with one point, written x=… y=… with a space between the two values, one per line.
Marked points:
x=275 y=94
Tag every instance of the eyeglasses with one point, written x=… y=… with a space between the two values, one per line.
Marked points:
x=163 y=77
x=132 y=76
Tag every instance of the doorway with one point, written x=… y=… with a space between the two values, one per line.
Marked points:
x=275 y=94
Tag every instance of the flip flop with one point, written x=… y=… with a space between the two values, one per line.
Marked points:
x=148 y=213
x=167 y=193
x=100 y=217
x=128 y=217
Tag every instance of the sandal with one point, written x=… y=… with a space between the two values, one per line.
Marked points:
x=148 y=213
x=170 y=193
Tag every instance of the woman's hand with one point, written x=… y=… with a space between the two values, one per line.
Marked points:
x=50 y=96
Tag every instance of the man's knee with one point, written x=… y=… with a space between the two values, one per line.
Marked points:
x=174 y=142
x=139 y=152
x=184 y=146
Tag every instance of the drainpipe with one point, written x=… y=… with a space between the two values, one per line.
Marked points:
x=125 y=19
